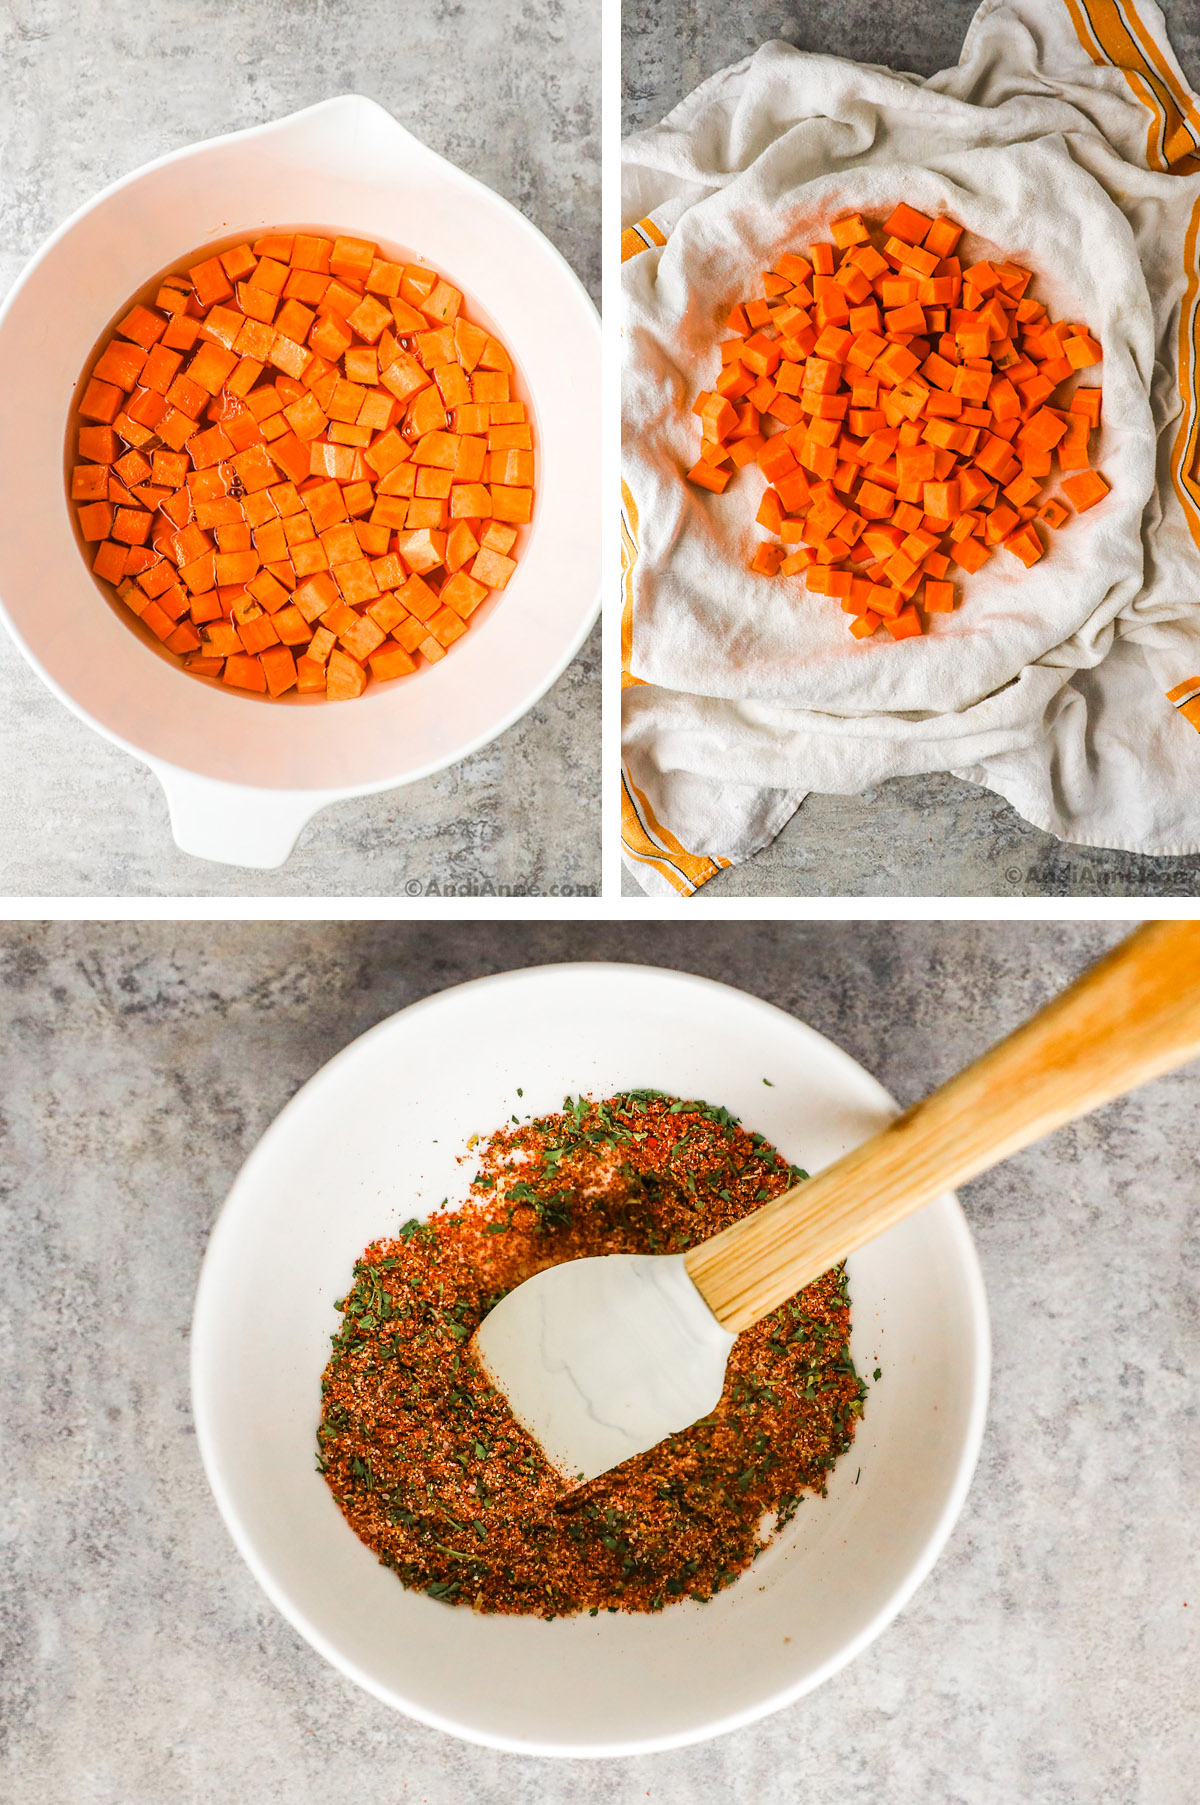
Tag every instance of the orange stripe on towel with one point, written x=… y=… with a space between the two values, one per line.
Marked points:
x=640 y=238
x=646 y=839
x=1087 y=21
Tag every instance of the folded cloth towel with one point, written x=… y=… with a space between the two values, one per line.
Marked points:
x=1068 y=140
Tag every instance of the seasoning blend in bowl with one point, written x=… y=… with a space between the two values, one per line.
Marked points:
x=511 y=1665
x=433 y=1472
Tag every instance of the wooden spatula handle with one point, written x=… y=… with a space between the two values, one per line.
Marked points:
x=1132 y=1016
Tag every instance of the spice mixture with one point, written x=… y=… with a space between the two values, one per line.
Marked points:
x=426 y=1460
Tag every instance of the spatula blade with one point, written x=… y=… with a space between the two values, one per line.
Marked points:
x=600 y=1359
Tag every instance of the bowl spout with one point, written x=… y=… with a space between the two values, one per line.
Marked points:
x=233 y=824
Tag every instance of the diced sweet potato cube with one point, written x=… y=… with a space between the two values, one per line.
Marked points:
x=160 y=623
x=463 y=593
x=98 y=443
x=422 y=551
x=514 y=468
x=291 y=626
x=344 y=677
x=446 y=626
x=513 y=505
x=386 y=453
x=279 y=668
x=210 y=366
x=356 y=582
x=939 y=598
x=131 y=526
x=89 y=482
x=427 y=416
x=305 y=418
x=143 y=326
x=1025 y=544
x=492 y=568
x=497 y=537
x=109 y=562
x=288 y=356
x=325 y=504
x=473 y=501
x=353 y=258
x=316 y=595
x=236 y=567
x=461 y=546
x=244 y=671
x=257 y=633
x=369 y=318
x=95 y=520
x=362 y=637
x=390 y=660
x=101 y=401
x=292 y=456
x=906 y=624
x=970 y=554
x=268 y=590
x=121 y=364
x=1085 y=490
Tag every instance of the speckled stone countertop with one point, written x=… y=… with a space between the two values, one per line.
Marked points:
x=1051 y=1657
x=88 y=91
x=931 y=835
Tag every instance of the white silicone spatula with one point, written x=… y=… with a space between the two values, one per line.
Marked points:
x=601 y=1358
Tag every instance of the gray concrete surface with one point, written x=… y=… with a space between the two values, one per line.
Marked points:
x=1051 y=1657
x=913 y=836
x=512 y=94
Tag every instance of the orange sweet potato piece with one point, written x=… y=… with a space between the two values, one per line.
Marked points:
x=344 y=677
x=109 y=562
x=353 y=258
x=709 y=476
x=101 y=401
x=95 y=520
x=244 y=672
x=390 y=660
x=512 y=505
x=905 y=625
x=279 y=668
x=1085 y=490
x=1087 y=403
x=970 y=553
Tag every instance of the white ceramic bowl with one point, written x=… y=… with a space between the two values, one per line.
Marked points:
x=242 y=776
x=315 y=1192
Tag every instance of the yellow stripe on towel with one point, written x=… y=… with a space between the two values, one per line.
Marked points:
x=635 y=239
x=1117 y=35
x=1086 y=18
x=630 y=552
x=647 y=840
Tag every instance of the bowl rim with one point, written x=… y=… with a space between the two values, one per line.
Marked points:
x=225 y=1226
x=351 y=104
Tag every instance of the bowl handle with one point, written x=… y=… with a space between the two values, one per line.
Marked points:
x=232 y=824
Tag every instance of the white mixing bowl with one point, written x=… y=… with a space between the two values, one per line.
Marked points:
x=376 y=1137
x=243 y=776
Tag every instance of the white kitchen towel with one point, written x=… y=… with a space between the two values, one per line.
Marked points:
x=1068 y=140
